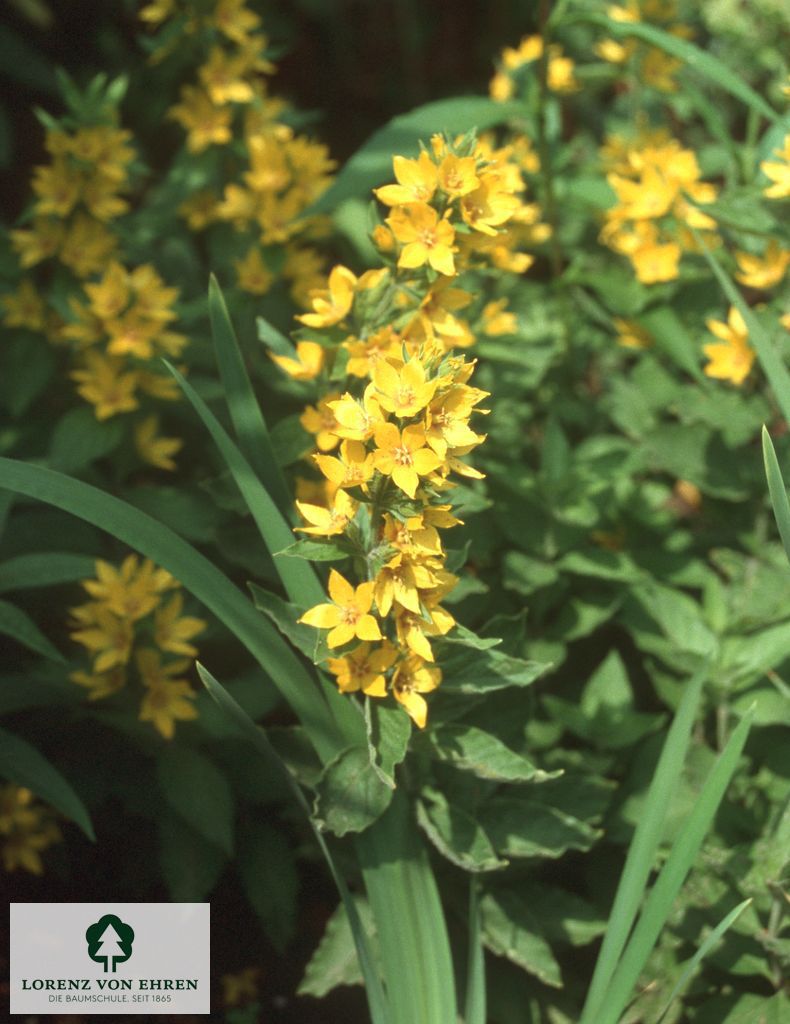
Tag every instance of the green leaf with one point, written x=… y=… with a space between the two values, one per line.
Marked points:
x=658 y=905
x=23 y=764
x=298 y=577
x=44 y=569
x=672 y=338
x=371 y=165
x=475 y=1002
x=20 y=627
x=350 y=795
x=642 y=850
x=248 y=421
x=512 y=931
x=274 y=339
x=520 y=827
x=270 y=880
x=482 y=671
x=777 y=490
x=199 y=576
x=28 y=365
x=710 y=941
x=334 y=962
x=692 y=57
x=197 y=790
x=389 y=730
x=456 y=834
x=410 y=924
x=476 y=751
x=190 y=865
x=79 y=439
x=285 y=616
x=315 y=551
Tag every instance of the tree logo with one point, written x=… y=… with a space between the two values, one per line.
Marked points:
x=109 y=941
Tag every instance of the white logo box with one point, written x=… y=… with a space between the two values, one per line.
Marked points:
x=163 y=969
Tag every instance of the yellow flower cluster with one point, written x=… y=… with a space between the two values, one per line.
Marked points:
x=650 y=65
x=119 y=329
x=559 y=69
x=657 y=184
x=77 y=193
x=27 y=827
x=778 y=171
x=283 y=172
x=389 y=439
x=129 y=615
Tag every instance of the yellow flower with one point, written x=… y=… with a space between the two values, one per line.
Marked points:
x=763 y=272
x=153 y=448
x=108 y=637
x=133 y=590
x=411 y=679
x=489 y=206
x=87 y=246
x=320 y=420
x=58 y=187
x=630 y=334
x=403 y=392
x=327 y=522
x=172 y=630
x=417 y=180
x=24 y=308
x=363 y=669
x=308 y=363
x=40 y=242
x=447 y=420
x=501 y=88
x=497 y=319
x=110 y=296
x=424 y=237
x=404 y=456
x=222 y=78
x=332 y=304
x=400 y=580
x=167 y=700
x=104 y=385
x=26 y=828
x=253 y=274
x=205 y=124
x=778 y=172
x=733 y=359
x=349 y=614
x=457 y=175
x=354 y=467
x=242 y=987
x=356 y=421
x=102 y=684
x=654 y=262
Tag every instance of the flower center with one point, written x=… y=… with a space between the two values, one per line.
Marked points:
x=402 y=456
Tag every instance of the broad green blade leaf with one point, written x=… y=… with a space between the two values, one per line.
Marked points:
x=684 y=851
x=44 y=569
x=777 y=491
x=248 y=421
x=702 y=952
x=199 y=576
x=298 y=576
x=475 y=1004
x=20 y=627
x=775 y=370
x=415 y=949
x=371 y=165
x=197 y=790
x=379 y=1009
x=23 y=764
x=642 y=851
x=692 y=56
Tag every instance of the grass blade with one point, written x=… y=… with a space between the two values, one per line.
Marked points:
x=692 y=56
x=475 y=1003
x=297 y=575
x=200 y=577
x=702 y=952
x=642 y=851
x=775 y=370
x=415 y=949
x=377 y=1002
x=21 y=763
x=248 y=421
x=777 y=490
x=659 y=903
